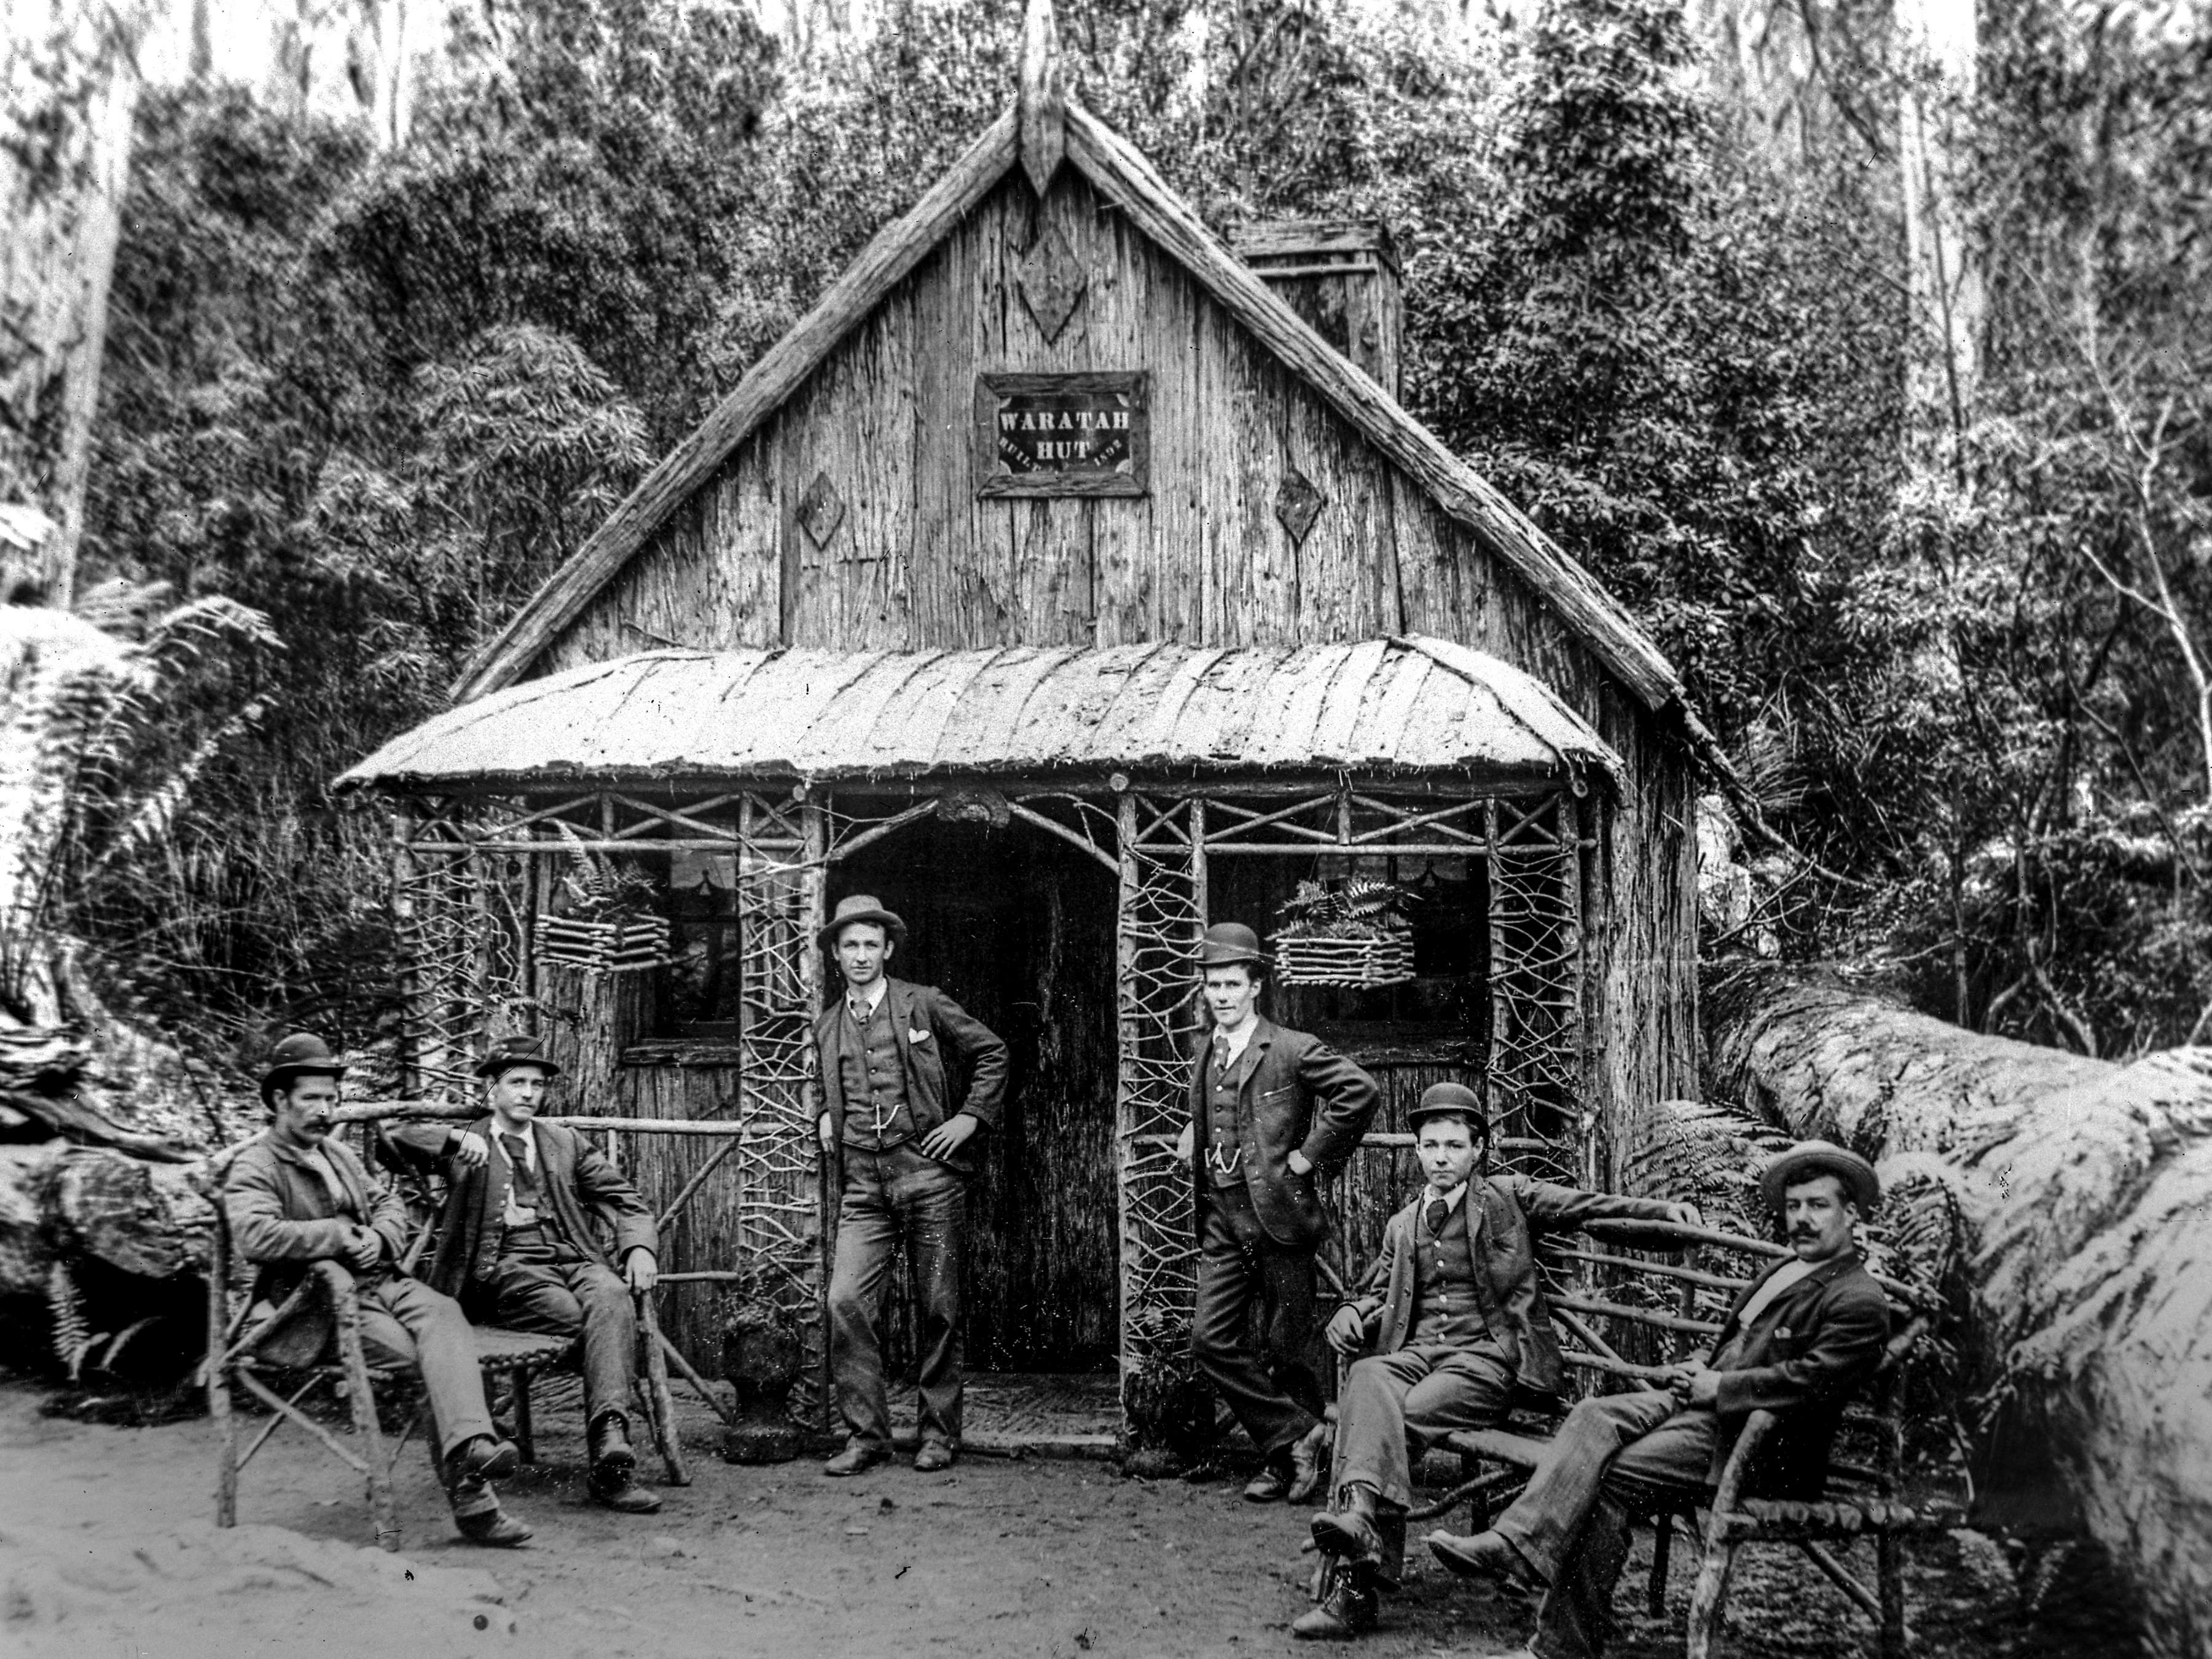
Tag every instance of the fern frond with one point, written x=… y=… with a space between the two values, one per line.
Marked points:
x=73 y=1334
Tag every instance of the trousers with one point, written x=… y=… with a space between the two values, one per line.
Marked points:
x=539 y=1285
x=892 y=1198
x=406 y=1324
x=1573 y=1529
x=1274 y=1393
x=1395 y=1405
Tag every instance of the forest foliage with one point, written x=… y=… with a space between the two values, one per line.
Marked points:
x=378 y=394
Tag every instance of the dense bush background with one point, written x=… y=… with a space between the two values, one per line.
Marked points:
x=378 y=395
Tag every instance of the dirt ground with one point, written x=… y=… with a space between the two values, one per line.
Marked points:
x=107 y=1549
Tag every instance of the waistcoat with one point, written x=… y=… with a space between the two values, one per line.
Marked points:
x=1452 y=1305
x=875 y=1115
x=1225 y=1125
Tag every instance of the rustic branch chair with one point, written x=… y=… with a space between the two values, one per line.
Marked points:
x=1653 y=1307
x=231 y=1364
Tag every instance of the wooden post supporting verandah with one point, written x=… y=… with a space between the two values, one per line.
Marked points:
x=474 y=875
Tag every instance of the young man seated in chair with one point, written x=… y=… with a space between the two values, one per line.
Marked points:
x=520 y=1244
x=1452 y=1327
x=293 y=1197
x=1799 y=1341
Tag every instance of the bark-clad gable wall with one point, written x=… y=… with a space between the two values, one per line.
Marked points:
x=918 y=562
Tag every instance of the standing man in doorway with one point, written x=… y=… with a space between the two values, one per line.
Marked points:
x=1272 y=1110
x=522 y=1241
x=902 y=1142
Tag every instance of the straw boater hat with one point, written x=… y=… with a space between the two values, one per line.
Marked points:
x=1452 y=1099
x=1808 y=1159
x=863 y=906
x=1227 y=944
x=510 y=1052
x=302 y=1054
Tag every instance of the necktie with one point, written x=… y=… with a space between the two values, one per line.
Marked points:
x=525 y=1179
x=860 y=1011
x=1439 y=1214
x=1221 y=1053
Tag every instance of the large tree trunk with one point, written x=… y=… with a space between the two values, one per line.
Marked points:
x=71 y=91
x=2083 y=1190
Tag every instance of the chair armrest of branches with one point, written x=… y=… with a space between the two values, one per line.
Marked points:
x=1628 y=1318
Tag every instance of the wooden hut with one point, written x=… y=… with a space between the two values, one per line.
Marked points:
x=1068 y=580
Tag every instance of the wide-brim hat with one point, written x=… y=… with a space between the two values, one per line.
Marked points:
x=863 y=906
x=302 y=1054
x=1816 y=1158
x=510 y=1052
x=1228 y=943
x=1453 y=1100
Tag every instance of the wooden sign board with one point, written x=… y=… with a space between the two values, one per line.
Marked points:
x=1063 y=435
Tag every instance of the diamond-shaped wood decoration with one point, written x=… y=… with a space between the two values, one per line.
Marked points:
x=821 y=510
x=1297 y=504
x=1051 y=281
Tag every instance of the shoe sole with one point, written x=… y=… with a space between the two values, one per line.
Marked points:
x=858 y=1468
x=1490 y=1571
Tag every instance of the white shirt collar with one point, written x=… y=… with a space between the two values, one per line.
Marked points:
x=1238 y=1040
x=1452 y=1199
x=873 y=996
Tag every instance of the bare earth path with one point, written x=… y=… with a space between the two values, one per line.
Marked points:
x=106 y=1550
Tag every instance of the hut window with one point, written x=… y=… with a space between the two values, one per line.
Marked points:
x=703 y=991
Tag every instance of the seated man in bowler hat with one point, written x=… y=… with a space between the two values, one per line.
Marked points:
x=1800 y=1340
x=1451 y=1325
x=541 y=1232
x=1273 y=1111
x=888 y=1051
x=293 y=1196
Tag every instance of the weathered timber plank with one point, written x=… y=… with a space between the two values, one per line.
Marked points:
x=1128 y=180
x=896 y=250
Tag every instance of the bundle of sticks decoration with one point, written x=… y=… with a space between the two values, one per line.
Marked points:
x=612 y=945
x=1350 y=934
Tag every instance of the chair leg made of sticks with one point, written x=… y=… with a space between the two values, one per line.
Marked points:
x=523 y=1357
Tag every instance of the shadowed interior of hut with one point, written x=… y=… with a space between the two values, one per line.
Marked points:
x=1019 y=929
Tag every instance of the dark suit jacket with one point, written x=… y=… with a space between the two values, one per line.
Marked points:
x=283 y=1217
x=926 y=1023
x=1300 y=1095
x=1803 y=1359
x=589 y=1198
x=1505 y=1215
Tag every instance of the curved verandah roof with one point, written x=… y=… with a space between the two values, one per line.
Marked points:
x=1409 y=705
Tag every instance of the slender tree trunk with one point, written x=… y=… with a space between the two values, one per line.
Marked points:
x=2082 y=1191
x=71 y=93
x=1943 y=364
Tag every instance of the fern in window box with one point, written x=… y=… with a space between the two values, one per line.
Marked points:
x=1352 y=933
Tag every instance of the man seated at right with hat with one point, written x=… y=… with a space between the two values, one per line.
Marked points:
x=1453 y=1327
x=1799 y=1341
x=295 y=1196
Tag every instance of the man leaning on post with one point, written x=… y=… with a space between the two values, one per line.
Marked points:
x=293 y=1197
x=1799 y=1341
x=520 y=1243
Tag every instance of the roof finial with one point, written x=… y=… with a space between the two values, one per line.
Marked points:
x=1042 y=103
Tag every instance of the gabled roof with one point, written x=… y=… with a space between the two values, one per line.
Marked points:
x=1392 y=707
x=1046 y=129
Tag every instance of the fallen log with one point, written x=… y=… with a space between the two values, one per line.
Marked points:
x=2081 y=1191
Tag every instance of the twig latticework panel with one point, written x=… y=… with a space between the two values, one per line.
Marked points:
x=1536 y=1075
x=463 y=922
x=1163 y=918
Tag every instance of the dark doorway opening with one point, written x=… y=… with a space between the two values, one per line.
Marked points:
x=1019 y=929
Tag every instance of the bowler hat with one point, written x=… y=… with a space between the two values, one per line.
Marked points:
x=508 y=1053
x=302 y=1054
x=1808 y=1159
x=863 y=906
x=1227 y=944
x=1452 y=1100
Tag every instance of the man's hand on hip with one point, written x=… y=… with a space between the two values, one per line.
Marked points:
x=1299 y=1162
x=1186 y=1143
x=948 y=1136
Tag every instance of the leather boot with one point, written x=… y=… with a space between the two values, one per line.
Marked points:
x=1309 y=1464
x=492 y=1528
x=484 y=1458
x=1485 y=1555
x=608 y=1440
x=858 y=1455
x=1348 y=1531
x=1348 y=1610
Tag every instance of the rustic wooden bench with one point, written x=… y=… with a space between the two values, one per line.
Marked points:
x=1622 y=1315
